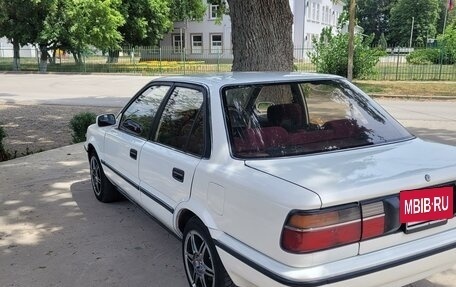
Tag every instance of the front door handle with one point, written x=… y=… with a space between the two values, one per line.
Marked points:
x=178 y=174
x=133 y=154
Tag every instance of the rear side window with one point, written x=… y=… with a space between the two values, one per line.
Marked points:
x=137 y=119
x=182 y=121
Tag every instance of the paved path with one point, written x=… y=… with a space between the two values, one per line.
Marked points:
x=85 y=90
x=54 y=233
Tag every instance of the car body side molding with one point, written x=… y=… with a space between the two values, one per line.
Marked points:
x=136 y=186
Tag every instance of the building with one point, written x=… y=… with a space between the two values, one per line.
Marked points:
x=210 y=40
x=6 y=50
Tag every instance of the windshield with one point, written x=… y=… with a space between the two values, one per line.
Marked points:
x=272 y=120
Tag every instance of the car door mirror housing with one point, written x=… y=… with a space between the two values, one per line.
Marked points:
x=106 y=120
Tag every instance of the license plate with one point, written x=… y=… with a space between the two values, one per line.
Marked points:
x=424 y=205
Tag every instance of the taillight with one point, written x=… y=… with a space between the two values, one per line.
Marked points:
x=306 y=232
x=373 y=220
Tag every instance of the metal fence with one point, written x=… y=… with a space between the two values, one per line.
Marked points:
x=165 y=61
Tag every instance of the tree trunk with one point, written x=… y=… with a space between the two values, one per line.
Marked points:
x=43 y=58
x=16 y=56
x=77 y=57
x=261 y=35
x=113 y=56
x=351 y=39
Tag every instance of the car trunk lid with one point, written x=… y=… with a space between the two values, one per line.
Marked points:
x=366 y=173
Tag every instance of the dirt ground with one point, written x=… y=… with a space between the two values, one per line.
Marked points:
x=35 y=128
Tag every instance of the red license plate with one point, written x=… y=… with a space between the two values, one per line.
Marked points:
x=426 y=204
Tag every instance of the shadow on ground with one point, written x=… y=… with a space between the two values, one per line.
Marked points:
x=53 y=232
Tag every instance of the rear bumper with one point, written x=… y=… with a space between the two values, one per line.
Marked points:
x=394 y=266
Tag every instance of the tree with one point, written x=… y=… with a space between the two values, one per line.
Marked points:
x=21 y=21
x=261 y=35
x=373 y=16
x=145 y=21
x=425 y=14
x=331 y=54
x=450 y=17
x=351 y=33
x=76 y=25
x=351 y=38
x=447 y=42
x=382 y=43
x=190 y=9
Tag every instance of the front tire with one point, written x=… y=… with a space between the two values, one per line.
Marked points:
x=202 y=264
x=103 y=189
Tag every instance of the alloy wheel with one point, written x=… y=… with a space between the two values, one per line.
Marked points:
x=198 y=259
x=95 y=174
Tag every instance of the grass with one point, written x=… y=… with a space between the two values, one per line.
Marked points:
x=384 y=71
x=408 y=88
x=408 y=72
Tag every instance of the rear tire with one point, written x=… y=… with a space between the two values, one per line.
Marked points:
x=103 y=189
x=202 y=264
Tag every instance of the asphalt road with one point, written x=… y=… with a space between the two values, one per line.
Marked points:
x=54 y=233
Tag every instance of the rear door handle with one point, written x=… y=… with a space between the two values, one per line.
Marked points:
x=178 y=174
x=133 y=154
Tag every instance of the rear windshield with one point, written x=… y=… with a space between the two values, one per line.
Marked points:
x=273 y=120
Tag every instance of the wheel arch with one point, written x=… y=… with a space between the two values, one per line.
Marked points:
x=90 y=150
x=186 y=213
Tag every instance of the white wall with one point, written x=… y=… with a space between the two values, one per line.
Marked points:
x=6 y=50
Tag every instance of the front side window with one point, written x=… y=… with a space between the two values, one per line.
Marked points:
x=273 y=120
x=181 y=123
x=138 y=117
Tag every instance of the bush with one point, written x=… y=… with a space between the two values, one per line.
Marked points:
x=3 y=154
x=424 y=57
x=331 y=54
x=79 y=124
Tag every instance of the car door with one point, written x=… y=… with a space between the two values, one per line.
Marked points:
x=123 y=144
x=169 y=160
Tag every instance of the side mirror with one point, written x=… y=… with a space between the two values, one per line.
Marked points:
x=106 y=120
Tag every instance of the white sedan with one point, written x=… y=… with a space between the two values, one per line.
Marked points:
x=278 y=179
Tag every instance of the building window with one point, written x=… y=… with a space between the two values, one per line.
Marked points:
x=197 y=43
x=313 y=11
x=178 y=44
x=330 y=17
x=213 y=11
x=318 y=12
x=216 y=43
x=309 y=8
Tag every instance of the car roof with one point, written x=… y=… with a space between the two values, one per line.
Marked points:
x=239 y=78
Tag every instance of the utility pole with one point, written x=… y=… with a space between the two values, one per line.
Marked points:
x=351 y=39
x=411 y=32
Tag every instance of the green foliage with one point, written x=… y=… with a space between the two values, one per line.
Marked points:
x=94 y=22
x=448 y=43
x=382 y=43
x=3 y=153
x=331 y=54
x=445 y=53
x=79 y=124
x=424 y=57
x=187 y=10
x=425 y=13
x=145 y=21
x=373 y=16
